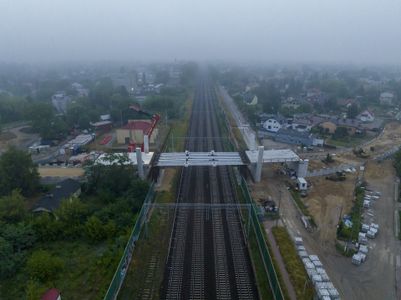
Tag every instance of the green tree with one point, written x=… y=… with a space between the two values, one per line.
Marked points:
x=21 y=236
x=95 y=229
x=7 y=263
x=340 y=132
x=114 y=180
x=352 y=111
x=45 y=122
x=46 y=227
x=12 y=208
x=34 y=290
x=78 y=115
x=43 y=266
x=72 y=214
x=17 y=171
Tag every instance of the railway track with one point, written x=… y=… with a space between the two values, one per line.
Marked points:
x=208 y=257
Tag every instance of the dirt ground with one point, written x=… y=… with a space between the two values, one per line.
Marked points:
x=390 y=137
x=15 y=137
x=375 y=279
x=325 y=201
x=60 y=172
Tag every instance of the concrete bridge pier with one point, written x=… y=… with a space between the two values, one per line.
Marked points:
x=302 y=169
x=139 y=161
x=259 y=164
x=146 y=143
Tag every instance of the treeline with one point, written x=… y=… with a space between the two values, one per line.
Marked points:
x=103 y=98
x=105 y=211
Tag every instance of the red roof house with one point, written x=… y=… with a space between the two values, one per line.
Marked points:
x=52 y=294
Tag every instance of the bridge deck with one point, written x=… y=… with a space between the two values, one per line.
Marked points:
x=186 y=159
x=272 y=156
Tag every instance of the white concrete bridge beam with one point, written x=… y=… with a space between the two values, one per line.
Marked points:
x=259 y=164
x=139 y=161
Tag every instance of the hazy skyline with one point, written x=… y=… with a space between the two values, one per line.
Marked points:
x=357 y=31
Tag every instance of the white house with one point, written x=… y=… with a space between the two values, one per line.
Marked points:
x=386 y=98
x=271 y=125
x=250 y=99
x=366 y=116
x=60 y=101
x=300 y=127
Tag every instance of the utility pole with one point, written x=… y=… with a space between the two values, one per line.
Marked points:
x=279 y=204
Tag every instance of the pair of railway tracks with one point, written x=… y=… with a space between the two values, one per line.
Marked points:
x=208 y=257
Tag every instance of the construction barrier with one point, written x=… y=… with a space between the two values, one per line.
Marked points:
x=125 y=261
x=263 y=249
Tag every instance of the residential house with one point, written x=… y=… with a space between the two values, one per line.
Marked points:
x=272 y=125
x=81 y=91
x=250 y=99
x=328 y=127
x=386 y=98
x=290 y=103
x=315 y=96
x=346 y=103
x=353 y=126
x=251 y=86
x=51 y=294
x=52 y=200
x=60 y=101
x=366 y=116
x=289 y=136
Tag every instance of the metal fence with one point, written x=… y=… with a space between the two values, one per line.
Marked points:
x=264 y=251
x=125 y=261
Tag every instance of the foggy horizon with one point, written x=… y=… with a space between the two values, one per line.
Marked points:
x=361 y=32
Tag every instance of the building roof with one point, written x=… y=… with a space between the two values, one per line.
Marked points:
x=294 y=133
x=52 y=200
x=301 y=180
x=387 y=94
x=366 y=113
x=51 y=294
x=101 y=123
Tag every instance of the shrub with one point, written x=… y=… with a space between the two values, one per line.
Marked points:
x=43 y=266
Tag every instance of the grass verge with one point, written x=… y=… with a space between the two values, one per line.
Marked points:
x=346 y=233
x=261 y=275
x=262 y=278
x=297 y=198
x=298 y=276
x=145 y=274
x=179 y=129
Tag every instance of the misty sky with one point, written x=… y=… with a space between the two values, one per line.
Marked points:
x=356 y=31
